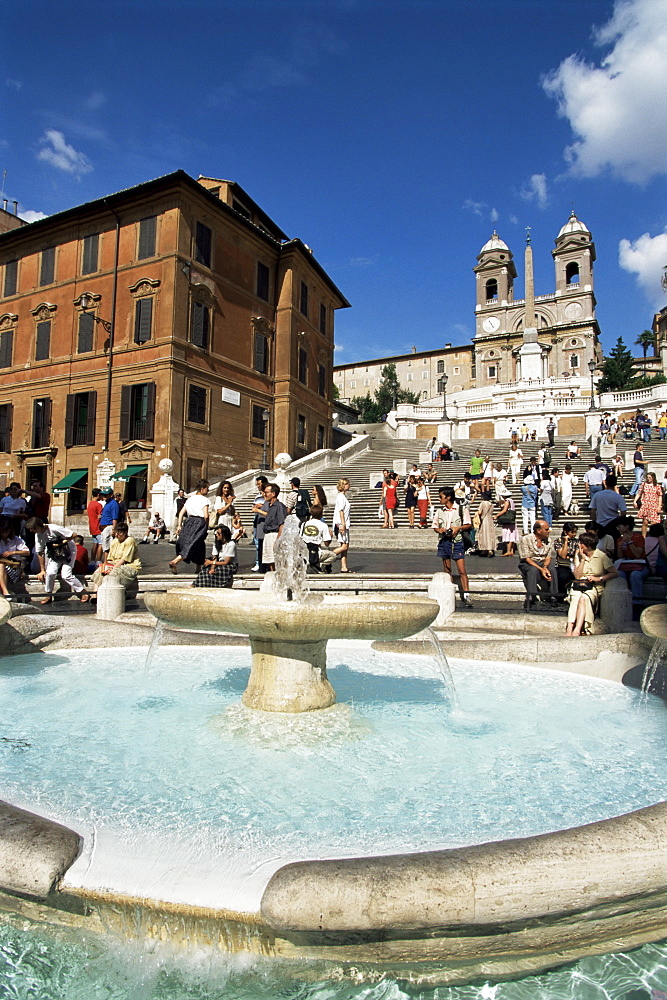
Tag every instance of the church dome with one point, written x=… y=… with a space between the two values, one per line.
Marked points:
x=495 y=243
x=573 y=225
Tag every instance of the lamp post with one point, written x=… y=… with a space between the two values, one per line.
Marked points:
x=265 y=418
x=442 y=387
x=591 y=367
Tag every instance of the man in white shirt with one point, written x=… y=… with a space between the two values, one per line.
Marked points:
x=317 y=536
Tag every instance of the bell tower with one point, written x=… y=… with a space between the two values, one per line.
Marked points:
x=573 y=258
x=495 y=274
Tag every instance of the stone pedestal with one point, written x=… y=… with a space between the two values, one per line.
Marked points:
x=616 y=606
x=164 y=493
x=530 y=355
x=288 y=677
x=442 y=590
x=110 y=599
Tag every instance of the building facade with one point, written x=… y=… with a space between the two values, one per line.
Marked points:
x=418 y=372
x=173 y=319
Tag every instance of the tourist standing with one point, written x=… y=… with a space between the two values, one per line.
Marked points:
x=547 y=497
x=515 y=460
x=648 y=500
x=411 y=500
x=640 y=464
x=423 y=501
x=273 y=524
x=528 y=503
x=109 y=518
x=568 y=481
x=94 y=510
x=551 y=431
x=485 y=537
x=389 y=500
x=341 y=523
x=223 y=504
x=506 y=518
x=192 y=528
x=476 y=465
x=259 y=512
x=449 y=526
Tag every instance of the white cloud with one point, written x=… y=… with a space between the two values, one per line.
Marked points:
x=29 y=216
x=536 y=190
x=13 y=84
x=618 y=110
x=646 y=257
x=481 y=209
x=95 y=101
x=494 y=215
x=61 y=155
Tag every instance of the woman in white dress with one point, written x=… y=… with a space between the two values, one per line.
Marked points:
x=192 y=528
x=567 y=481
x=515 y=460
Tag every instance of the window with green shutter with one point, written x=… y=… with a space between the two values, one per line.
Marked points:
x=43 y=345
x=203 y=239
x=201 y=323
x=143 y=320
x=147 y=233
x=261 y=353
x=41 y=423
x=90 y=250
x=11 y=277
x=262 y=281
x=86 y=333
x=197 y=404
x=48 y=266
x=6 y=348
x=6 y=427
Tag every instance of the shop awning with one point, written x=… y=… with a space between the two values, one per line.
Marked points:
x=132 y=470
x=71 y=479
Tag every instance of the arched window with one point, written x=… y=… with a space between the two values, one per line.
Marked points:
x=572 y=273
x=491 y=289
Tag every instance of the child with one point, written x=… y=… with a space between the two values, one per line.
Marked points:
x=238 y=531
x=317 y=536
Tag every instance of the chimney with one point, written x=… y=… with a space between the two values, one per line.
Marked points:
x=16 y=207
x=414 y=350
x=4 y=204
x=447 y=345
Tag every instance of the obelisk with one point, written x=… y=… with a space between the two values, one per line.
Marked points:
x=530 y=352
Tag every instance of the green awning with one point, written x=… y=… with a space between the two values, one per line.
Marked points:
x=71 y=479
x=132 y=470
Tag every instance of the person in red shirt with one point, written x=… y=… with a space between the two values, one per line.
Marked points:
x=81 y=561
x=94 y=509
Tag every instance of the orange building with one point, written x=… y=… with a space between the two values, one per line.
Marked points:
x=173 y=319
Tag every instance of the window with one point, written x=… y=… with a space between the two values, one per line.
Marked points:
x=367 y=381
x=48 y=266
x=441 y=367
x=147 y=233
x=322 y=380
x=77 y=495
x=241 y=209
x=301 y=429
x=424 y=375
x=572 y=273
x=86 y=333
x=203 y=244
x=574 y=361
x=80 y=418
x=323 y=318
x=303 y=303
x=143 y=320
x=262 y=281
x=491 y=290
x=260 y=360
x=11 y=277
x=353 y=385
x=201 y=325
x=90 y=249
x=492 y=371
x=320 y=437
x=303 y=365
x=6 y=348
x=43 y=345
x=258 y=422
x=197 y=404
x=456 y=370
x=410 y=376
x=137 y=412
x=41 y=423
x=6 y=427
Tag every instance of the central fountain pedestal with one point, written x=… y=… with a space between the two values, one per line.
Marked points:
x=289 y=638
x=288 y=676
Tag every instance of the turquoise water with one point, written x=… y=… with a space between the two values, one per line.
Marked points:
x=137 y=758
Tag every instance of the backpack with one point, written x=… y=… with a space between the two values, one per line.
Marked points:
x=547 y=458
x=302 y=505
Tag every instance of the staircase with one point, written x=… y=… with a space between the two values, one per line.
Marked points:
x=366 y=527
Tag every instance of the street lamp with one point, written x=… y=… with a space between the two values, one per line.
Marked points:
x=265 y=418
x=442 y=387
x=591 y=367
x=85 y=301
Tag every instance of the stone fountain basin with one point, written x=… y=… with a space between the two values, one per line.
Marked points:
x=319 y=617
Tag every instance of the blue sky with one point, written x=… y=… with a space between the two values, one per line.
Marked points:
x=389 y=135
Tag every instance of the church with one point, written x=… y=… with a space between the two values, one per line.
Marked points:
x=535 y=356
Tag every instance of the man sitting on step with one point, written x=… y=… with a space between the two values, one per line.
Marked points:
x=537 y=565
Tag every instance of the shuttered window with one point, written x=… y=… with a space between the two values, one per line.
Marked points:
x=258 y=422
x=41 y=423
x=80 y=419
x=197 y=404
x=43 y=345
x=147 y=233
x=323 y=318
x=86 y=333
x=6 y=348
x=137 y=412
x=262 y=281
x=143 y=320
x=203 y=244
x=6 y=427
x=48 y=266
x=11 y=277
x=322 y=380
x=201 y=322
x=303 y=365
x=303 y=304
x=261 y=354
x=90 y=249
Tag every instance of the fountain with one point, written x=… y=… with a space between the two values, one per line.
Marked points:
x=289 y=628
x=474 y=903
